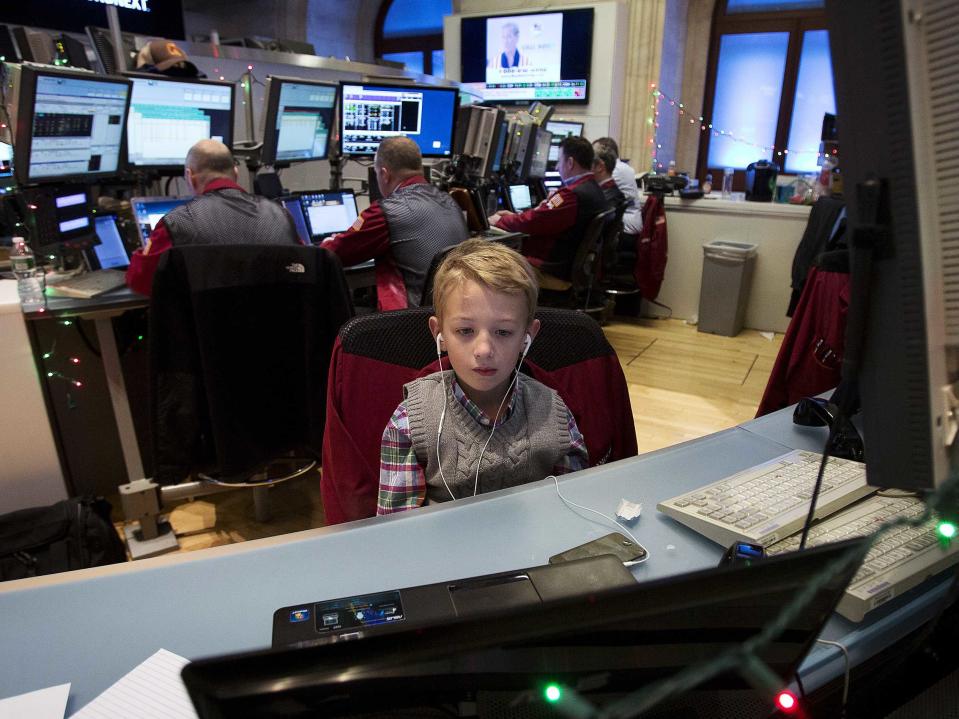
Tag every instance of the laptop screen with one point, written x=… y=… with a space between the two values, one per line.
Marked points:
x=328 y=211
x=519 y=197
x=293 y=206
x=111 y=253
x=150 y=210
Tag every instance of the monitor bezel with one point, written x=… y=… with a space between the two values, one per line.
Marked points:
x=396 y=86
x=589 y=51
x=23 y=145
x=271 y=106
x=177 y=169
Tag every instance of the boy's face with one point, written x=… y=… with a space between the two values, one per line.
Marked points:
x=483 y=333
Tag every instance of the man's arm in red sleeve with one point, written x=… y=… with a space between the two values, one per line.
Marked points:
x=143 y=263
x=550 y=217
x=367 y=238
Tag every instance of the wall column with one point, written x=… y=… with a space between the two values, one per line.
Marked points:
x=646 y=21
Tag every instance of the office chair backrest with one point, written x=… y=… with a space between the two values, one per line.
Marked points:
x=427 y=299
x=586 y=261
x=375 y=355
x=240 y=343
x=467 y=200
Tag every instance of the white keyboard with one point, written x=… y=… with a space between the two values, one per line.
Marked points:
x=768 y=502
x=89 y=284
x=902 y=557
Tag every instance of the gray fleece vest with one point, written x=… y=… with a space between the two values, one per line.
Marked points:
x=422 y=220
x=525 y=448
x=230 y=217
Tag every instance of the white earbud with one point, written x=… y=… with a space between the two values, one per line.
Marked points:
x=526 y=343
x=439 y=338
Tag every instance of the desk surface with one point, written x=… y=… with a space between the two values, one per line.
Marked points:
x=222 y=599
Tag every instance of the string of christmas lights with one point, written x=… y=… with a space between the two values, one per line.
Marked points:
x=657 y=96
x=56 y=374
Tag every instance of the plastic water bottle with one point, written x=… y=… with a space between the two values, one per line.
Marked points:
x=30 y=280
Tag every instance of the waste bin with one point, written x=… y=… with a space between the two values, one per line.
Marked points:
x=727 y=273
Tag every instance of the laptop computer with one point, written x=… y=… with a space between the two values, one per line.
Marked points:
x=150 y=210
x=293 y=206
x=327 y=212
x=519 y=197
x=106 y=263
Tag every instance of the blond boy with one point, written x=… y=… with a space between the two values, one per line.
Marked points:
x=481 y=426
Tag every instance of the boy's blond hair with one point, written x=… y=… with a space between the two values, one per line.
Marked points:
x=487 y=263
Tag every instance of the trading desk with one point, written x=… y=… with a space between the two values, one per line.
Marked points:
x=92 y=626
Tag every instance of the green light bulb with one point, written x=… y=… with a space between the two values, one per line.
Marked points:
x=552 y=693
x=947 y=530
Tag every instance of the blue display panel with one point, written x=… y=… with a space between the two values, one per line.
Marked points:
x=371 y=113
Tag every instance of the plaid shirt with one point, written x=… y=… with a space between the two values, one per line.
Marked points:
x=402 y=479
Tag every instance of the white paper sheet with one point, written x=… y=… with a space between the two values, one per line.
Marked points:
x=49 y=703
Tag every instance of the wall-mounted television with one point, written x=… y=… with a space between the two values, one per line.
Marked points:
x=530 y=56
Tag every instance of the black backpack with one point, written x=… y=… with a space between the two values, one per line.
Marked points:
x=72 y=534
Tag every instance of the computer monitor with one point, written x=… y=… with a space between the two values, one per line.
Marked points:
x=6 y=161
x=481 y=139
x=293 y=206
x=371 y=113
x=541 y=148
x=70 y=125
x=328 y=212
x=605 y=644
x=57 y=216
x=561 y=129
x=519 y=197
x=168 y=115
x=552 y=180
x=111 y=253
x=501 y=143
x=150 y=210
x=298 y=120
x=897 y=127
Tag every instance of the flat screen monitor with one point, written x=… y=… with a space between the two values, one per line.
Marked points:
x=501 y=142
x=70 y=125
x=561 y=129
x=541 y=148
x=371 y=113
x=328 y=212
x=298 y=120
x=168 y=115
x=111 y=253
x=150 y=210
x=605 y=643
x=293 y=206
x=519 y=197
x=6 y=161
x=518 y=58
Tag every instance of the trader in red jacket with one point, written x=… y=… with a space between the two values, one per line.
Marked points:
x=222 y=213
x=557 y=224
x=404 y=230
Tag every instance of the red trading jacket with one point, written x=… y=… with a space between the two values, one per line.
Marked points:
x=367 y=239
x=652 y=247
x=810 y=359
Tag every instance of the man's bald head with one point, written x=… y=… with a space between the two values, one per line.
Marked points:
x=397 y=159
x=208 y=160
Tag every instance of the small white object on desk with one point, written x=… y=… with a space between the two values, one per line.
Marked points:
x=628 y=510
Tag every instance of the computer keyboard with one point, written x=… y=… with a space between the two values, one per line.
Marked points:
x=902 y=557
x=768 y=502
x=89 y=284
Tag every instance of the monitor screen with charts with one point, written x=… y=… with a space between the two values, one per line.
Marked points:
x=167 y=116
x=328 y=212
x=372 y=113
x=111 y=253
x=150 y=210
x=561 y=130
x=298 y=120
x=70 y=125
x=519 y=197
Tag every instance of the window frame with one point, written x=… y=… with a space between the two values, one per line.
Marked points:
x=796 y=23
x=424 y=44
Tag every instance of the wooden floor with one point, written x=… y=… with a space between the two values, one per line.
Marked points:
x=683 y=384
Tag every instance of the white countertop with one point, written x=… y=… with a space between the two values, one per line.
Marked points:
x=713 y=203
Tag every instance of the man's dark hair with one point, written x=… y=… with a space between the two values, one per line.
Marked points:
x=605 y=155
x=579 y=149
x=400 y=154
x=610 y=143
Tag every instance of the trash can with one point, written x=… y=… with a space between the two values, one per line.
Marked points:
x=727 y=273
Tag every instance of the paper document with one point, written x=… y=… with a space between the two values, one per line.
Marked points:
x=153 y=690
x=50 y=703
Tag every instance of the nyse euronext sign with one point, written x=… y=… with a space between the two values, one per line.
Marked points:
x=140 y=5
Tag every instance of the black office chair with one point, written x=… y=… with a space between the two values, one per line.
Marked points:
x=240 y=344
x=427 y=299
x=576 y=292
